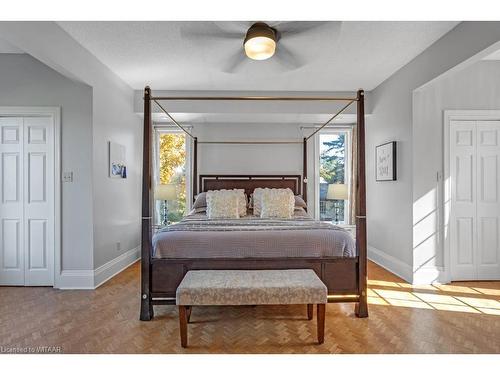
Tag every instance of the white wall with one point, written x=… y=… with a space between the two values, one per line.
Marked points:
x=390 y=204
x=24 y=81
x=249 y=159
x=476 y=87
x=116 y=203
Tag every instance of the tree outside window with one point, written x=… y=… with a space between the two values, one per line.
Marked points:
x=172 y=163
x=331 y=171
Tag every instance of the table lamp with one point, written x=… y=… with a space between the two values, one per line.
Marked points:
x=337 y=192
x=165 y=193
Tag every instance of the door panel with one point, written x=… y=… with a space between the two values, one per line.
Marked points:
x=27 y=200
x=11 y=204
x=10 y=177
x=37 y=181
x=475 y=200
x=463 y=198
x=465 y=240
x=37 y=246
x=488 y=203
x=12 y=252
x=39 y=200
x=488 y=241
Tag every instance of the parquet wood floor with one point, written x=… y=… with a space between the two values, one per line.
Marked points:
x=455 y=318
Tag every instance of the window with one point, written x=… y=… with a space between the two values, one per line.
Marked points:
x=172 y=162
x=333 y=169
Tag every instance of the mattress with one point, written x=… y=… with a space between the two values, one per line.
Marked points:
x=252 y=237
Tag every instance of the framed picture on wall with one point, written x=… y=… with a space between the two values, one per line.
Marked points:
x=385 y=162
x=117 y=166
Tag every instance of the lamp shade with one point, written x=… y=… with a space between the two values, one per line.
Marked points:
x=260 y=48
x=260 y=41
x=337 y=191
x=166 y=192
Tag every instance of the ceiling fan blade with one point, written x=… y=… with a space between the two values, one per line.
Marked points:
x=234 y=62
x=234 y=26
x=211 y=31
x=287 y=58
x=299 y=27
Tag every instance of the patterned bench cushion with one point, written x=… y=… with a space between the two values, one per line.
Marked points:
x=259 y=287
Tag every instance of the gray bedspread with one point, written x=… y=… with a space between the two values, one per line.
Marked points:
x=252 y=237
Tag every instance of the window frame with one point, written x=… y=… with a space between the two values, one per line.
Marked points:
x=347 y=130
x=165 y=129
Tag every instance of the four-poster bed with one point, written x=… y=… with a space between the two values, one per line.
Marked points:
x=345 y=277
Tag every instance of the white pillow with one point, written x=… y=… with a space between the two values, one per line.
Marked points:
x=277 y=203
x=257 y=201
x=222 y=204
x=242 y=201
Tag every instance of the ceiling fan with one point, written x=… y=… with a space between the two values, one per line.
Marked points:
x=259 y=41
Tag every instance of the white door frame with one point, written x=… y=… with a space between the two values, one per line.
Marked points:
x=55 y=113
x=449 y=116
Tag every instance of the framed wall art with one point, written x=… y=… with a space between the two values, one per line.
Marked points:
x=117 y=164
x=385 y=162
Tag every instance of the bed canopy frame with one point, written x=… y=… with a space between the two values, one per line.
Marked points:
x=164 y=271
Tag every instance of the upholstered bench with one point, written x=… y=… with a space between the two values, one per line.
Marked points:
x=259 y=287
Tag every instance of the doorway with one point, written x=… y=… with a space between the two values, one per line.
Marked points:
x=472 y=232
x=30 y=195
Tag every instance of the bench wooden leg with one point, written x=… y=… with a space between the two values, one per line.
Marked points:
x=310 y=311
x=183 y=319
x=321 y=322
x=189 y=309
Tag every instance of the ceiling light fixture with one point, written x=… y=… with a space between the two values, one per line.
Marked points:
x=260 y=41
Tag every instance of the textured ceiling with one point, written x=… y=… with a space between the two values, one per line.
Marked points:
x=336 y=55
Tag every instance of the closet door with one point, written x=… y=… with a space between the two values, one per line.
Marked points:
x=488 y=200
x=27 y=201
x=463 y=239
x=39 y=200
x=11 y=204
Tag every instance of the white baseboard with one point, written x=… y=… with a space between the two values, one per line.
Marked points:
x=76 y=279
x=429 y=275
x=115 y=266
x=91 y=279
x=391 y=264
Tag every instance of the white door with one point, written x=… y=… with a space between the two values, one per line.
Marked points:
x=488 y=200
x=12 y=206
x=475 y=208
x=27 y=205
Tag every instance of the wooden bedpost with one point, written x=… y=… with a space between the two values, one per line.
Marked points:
x=195 y=168
x=361 y=308
x=146 y=301
x=304 y=171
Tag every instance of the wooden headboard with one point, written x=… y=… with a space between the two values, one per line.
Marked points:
x=250 y=182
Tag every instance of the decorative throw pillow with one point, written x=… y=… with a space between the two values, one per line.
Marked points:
x=242 y=201
x=200 y=201
x=222 y=204
x=277 y=203
x=299 y=202
x=198 y=210
x=257 y=201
